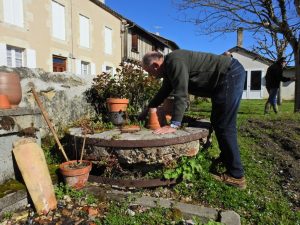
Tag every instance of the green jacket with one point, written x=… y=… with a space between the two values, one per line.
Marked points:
x=188 y=72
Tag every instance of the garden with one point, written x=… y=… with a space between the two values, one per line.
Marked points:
x=270 y=153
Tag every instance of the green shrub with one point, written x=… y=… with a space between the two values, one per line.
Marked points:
x=130 y=82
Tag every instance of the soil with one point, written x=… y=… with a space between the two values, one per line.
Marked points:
x=76 y=165
x=280 y=143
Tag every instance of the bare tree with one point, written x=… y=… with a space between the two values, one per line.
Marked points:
x=271 y=45
x=262 y=17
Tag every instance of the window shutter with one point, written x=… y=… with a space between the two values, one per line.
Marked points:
x=84 y=26
x=108 y=40
x=78 y=67
x=19 y=15
x=58 y=21
x=134 y=42
x=30 y=58
x=93 y=69
x=103 y=68
x=3 y=60
x=8 y=11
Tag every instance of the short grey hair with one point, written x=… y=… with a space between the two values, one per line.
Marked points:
x=150 y=57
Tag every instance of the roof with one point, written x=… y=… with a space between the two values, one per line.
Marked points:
x=161 y=40
x=256 y=56
x=251 y=54
x=170 y=43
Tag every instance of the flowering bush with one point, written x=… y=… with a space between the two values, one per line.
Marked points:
x=130 y=82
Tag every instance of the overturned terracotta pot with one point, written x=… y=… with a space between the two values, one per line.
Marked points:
x=153 y=121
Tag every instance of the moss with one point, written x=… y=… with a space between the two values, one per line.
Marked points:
x=10 y=186
x=53 y=169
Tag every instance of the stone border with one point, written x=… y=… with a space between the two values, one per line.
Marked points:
x=227 y=217
x=19 y=199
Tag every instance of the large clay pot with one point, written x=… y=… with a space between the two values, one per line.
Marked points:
x=73 y=176
x=4 y=102
x=10 y=85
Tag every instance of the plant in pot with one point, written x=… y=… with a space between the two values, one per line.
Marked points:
x=129 y=82
x=76 y=172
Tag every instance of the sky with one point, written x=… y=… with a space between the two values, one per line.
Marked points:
x=161 y=16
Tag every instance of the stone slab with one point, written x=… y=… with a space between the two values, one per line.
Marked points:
x=13 y=201
x=227 y=217
x=140 y=147
x=14 y=124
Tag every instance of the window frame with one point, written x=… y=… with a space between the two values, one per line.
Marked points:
x=11 y=52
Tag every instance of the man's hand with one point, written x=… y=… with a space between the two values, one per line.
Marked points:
x=165 y=130
x=293 y=79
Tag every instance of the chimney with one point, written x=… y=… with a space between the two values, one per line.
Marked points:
x=240 y=37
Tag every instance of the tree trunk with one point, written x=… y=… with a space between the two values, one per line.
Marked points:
x=297 y=84
x=279 y=96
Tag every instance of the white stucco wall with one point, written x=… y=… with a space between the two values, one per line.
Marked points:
x=287 y=89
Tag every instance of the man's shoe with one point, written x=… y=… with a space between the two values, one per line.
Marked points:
x=227 y=179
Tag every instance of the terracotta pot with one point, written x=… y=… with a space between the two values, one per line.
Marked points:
x=10 y=85
x=75 y=177
x=4 y=103
x=153 y=121
x=117 y=104
x=32 y=164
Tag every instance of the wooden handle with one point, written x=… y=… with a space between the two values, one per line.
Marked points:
x=46 y=117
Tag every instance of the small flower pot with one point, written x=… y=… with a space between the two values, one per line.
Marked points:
x=117 y=104
x=75 y=174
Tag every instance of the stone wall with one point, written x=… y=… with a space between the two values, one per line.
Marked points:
x=61 y=93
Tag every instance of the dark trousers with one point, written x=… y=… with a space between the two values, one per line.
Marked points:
x=225 y=103
x=272 y=96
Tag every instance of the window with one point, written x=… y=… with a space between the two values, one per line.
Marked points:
x=59 y=63
x=255 y=83
x=108 y=40
x=84 y=28
x=13 y=12
x=134 y=43
x=58 y=21
x=85 y=68
x=109 y=69
x=15 y=56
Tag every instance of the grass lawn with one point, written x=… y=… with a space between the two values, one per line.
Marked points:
x=272 y=194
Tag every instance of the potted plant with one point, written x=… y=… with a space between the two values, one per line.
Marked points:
x=76 y=172
x=130 y=82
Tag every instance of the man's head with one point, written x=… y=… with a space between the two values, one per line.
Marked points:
x=282 y=61
x=152 y=62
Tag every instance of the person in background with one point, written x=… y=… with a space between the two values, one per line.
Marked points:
x=205 y=75
x=273 y=78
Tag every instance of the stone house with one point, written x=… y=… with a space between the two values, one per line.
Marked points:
x=79 y=37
